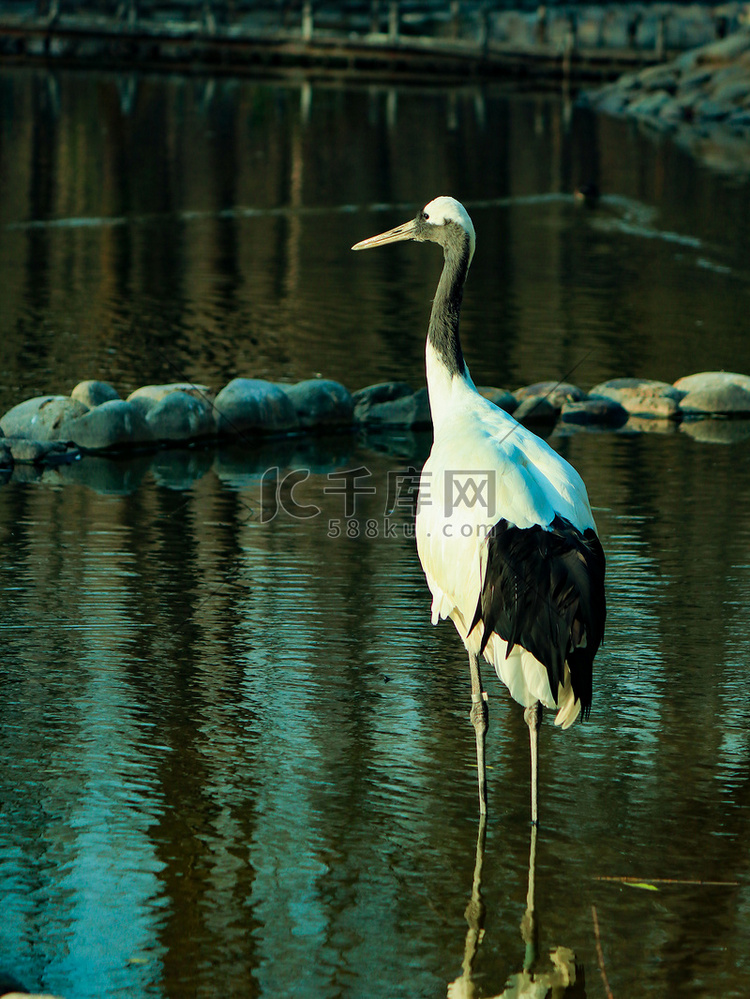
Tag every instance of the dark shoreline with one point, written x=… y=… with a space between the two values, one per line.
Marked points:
x=574 y=44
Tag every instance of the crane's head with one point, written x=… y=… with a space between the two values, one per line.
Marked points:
x=443 y=221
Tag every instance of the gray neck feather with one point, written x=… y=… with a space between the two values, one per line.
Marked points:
x=446 y=308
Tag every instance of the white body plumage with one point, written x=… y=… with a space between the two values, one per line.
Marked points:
x=485 y=466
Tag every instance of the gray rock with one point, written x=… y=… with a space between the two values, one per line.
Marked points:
x=373 y=395
x=628 y=81
x=613 y=103
x=708 y=109
x=725 y=50
x=662 y=77
x=147 y=396
x=93 y=393
x=113 y=424
x=711 y=380
x=501 y=398
x=658 y=407
x=696 y=97
x=674 y=111
x=27 y=452
x=725 y=399
x=320 y=402
x=657 y=123
x=736 y=70
x=536 y=409
x=250 y=404
x=650 y=104
x=602 y=411
x=688 y=62
x=732 y=91
x=44 y=418
x=181 y=417
x=407 y=411
x=695 y=79
x=558 y=393
x=642 y=397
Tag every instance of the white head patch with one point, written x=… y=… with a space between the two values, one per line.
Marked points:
x=445 y=209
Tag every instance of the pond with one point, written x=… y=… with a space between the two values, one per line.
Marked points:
x=236 y=755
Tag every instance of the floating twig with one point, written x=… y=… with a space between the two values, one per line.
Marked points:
x=600 y=953
x=668 y=881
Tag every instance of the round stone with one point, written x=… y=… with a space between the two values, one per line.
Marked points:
x=181 y=417
x=44 y=418
x=147 y=396
x=113 y=424
x=320 y=402
x=94 y=393
x=642 y=397
x=250 y=404
x=411 y=411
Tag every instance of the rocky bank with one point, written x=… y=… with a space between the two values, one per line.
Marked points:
x=58 y=429
x=701 y=99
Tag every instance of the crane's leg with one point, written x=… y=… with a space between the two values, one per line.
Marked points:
x=533 y=717
x=480 y=719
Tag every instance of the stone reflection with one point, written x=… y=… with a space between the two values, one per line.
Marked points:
x=536 y=980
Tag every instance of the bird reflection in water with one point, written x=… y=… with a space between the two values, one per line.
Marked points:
x=561 y=977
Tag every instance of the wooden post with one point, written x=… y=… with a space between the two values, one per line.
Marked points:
x=484 y=30
x=375 y=17
x=571 y=36
x=633 y=25
x=209 y=18
x=540 y=28
x=661 y=31
x=455 y=17
x=305 y=102
x=567 y=57
x=307 y=20
x=391 y=108
x=394 y=17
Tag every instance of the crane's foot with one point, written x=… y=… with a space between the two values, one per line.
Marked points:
x=480 y=719
x=480 y=713
x=533 y=717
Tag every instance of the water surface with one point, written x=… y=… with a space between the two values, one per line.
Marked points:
x=237 y=758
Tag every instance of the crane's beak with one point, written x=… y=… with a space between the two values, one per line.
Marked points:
x=406 y=231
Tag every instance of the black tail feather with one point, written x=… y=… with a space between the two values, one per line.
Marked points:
x=543 y=589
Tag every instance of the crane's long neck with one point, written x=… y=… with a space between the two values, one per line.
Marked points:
x=446 y=366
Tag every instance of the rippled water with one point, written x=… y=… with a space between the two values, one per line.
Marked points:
x=237 y=759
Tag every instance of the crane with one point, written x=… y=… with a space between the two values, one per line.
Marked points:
x=504 y=527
